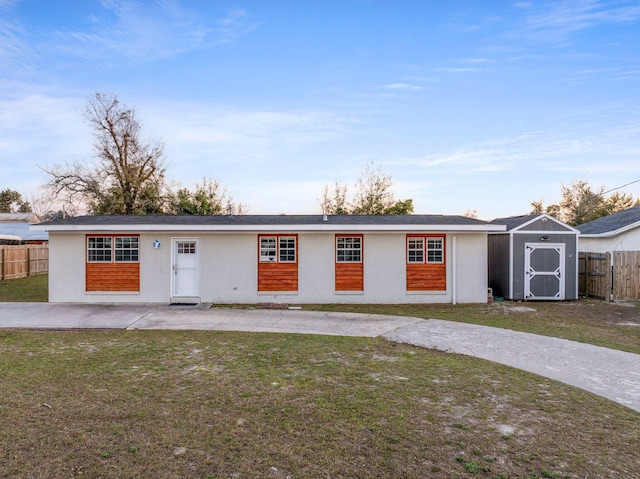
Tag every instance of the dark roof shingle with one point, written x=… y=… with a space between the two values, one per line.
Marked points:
x=613 y=222
x=266 y=220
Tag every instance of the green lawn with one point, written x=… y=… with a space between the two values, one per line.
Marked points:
x=32 y=290
x=198 y=404
x=235 y=405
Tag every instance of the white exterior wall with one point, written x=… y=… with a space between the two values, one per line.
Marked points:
x=627 y=241
x=66 y=268
x=471 y=268
x=228 y=269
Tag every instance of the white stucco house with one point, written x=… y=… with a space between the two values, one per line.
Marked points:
x=616 y=232
x=269 y=258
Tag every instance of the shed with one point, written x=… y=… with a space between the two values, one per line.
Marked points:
x=536 y=258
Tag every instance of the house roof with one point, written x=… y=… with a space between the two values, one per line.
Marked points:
x=19 y=218
x=21 y=232
x=269 y=222
x=612 y=224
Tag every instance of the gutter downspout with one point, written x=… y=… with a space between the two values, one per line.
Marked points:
x=454 y=279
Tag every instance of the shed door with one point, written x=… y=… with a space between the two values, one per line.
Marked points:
x=185 y=268
x=544 y=271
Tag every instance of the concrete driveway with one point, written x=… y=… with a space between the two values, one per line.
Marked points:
x=612 y=374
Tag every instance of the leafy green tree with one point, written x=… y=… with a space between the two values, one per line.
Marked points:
x=373 y=196
x=580 y=203
x=11 y=202
x=208 y=198
x=128 y=174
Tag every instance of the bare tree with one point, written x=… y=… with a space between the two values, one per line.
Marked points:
x=128 y=175
x=471 y=214
x=334 y=202
x=373 y=196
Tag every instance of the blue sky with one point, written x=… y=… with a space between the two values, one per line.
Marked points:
x=468 y=105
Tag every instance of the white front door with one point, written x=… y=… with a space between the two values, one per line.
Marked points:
x=186 y=268
x=543 y=271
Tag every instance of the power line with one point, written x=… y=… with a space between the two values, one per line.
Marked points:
x=617 y=188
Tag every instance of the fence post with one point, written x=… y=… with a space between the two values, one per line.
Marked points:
x=609 y=277
x=28 y=261
x=3 y=269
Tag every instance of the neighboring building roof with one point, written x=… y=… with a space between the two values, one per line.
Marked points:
x=273 y=222
x=19 y=218
x=517 y=222
x=21 y=232
x=612 y=224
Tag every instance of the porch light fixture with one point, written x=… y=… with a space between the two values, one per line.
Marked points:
x=545 y=238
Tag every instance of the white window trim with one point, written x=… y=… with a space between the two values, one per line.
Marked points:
x=276 y=258
x=349 y=249
x=112 y=249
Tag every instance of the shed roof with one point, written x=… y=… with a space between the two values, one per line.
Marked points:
x=262 y=222
x=613 y=223
x=517 y=222
x=512 y=222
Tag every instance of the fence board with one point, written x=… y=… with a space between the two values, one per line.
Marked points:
x=594 y=275
x=23 y=260
x=626 y=275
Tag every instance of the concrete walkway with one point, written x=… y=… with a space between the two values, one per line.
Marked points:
x=612 y=374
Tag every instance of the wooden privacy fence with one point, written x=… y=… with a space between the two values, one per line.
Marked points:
x=24 y=260
x=608 y=277
x=594 y=275
x=626 y=275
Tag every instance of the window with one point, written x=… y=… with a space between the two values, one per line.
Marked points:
x=107 y=249
x=99 y=249
x=287 y=249
x=281 y=249
x=268 y=249
x=278 y=263
x=434 y=250
x=188 y=247
x=426 y=267
x=348 y=249
x=126 y=249
x=421 y=249
x=415 y=250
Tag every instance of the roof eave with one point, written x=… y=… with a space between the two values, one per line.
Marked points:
x=267 y=227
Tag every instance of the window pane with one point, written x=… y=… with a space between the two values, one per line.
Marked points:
x=268 y=249
x=126 y=248
x=415 y=250
x=287 y=249
x=348 y=250
x=99 y=249
x=187 y=247
x=434 y=250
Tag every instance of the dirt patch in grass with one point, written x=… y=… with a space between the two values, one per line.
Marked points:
x=232 y=405
x=611 y=325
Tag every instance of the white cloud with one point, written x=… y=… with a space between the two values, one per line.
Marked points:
x=565 y=17
x=234 y=25
x=403 y=86
x=132 y=30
